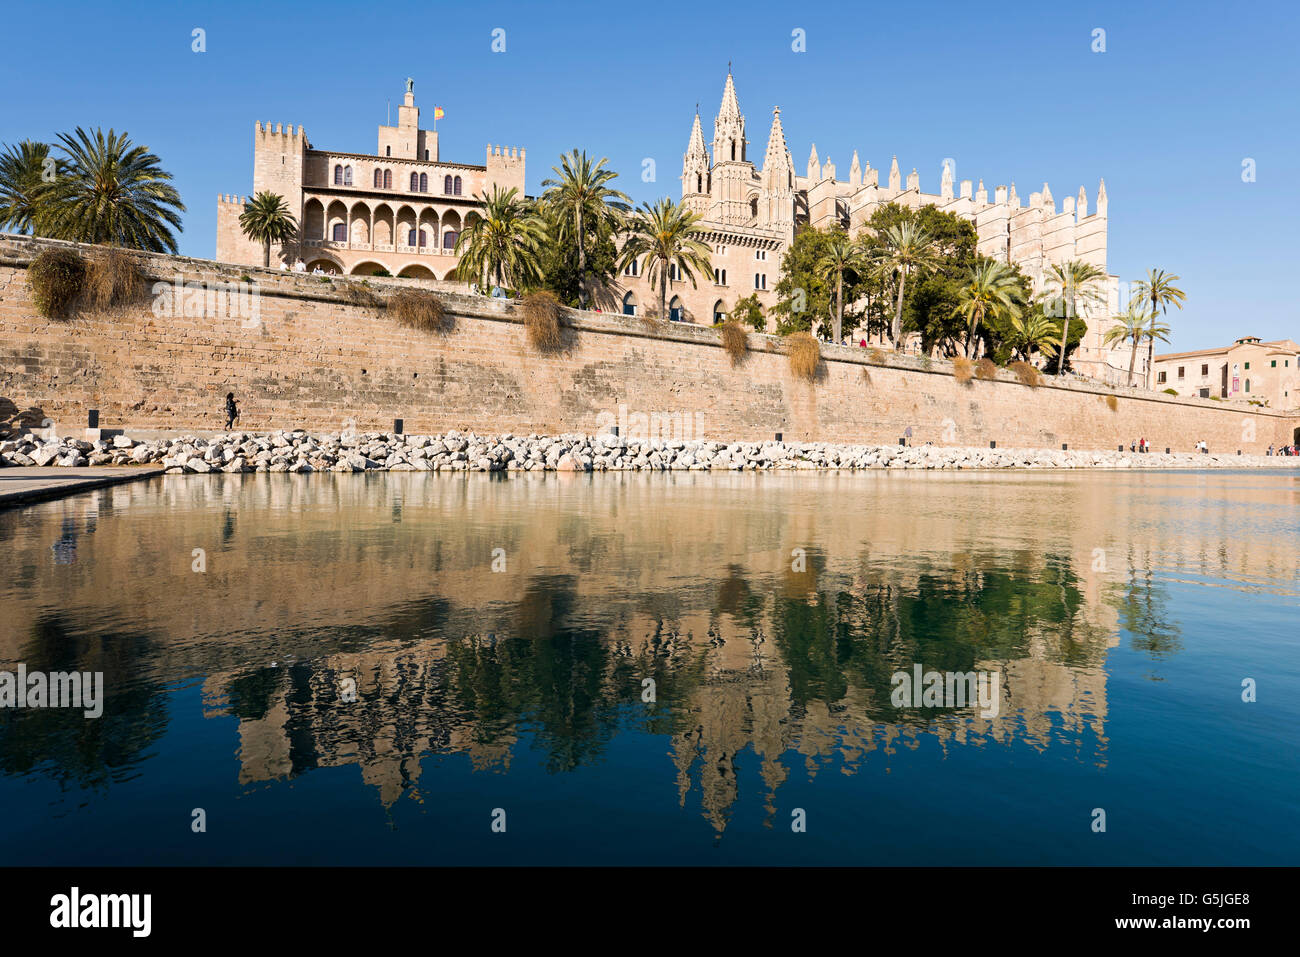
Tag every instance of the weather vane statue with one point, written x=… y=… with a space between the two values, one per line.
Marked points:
x=410 y=85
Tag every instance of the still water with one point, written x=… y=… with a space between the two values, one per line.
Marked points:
x=680 y=668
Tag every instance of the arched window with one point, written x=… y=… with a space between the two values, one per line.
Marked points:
x=446 y=184
x=379 y=178
x=423 y=241
x=632 y=268
x=699 y=183
x=347 y=176
x=733 y=149
x=449 y=239
x=718 y=314
x=338 y=174
x=424 y=182
x=1247 y=385
x=340 y=234
x=415 y=183
x=388 y=179
x=629 y=305
x=388 y=151
x=675 y=310
x=674 y=273
x=426 y=156
x=411 y=237
x=456 y=186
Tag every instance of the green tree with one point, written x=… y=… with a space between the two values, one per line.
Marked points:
x=1130 y=327
x=803 y=294
x=583 y=206
x=931 y=301
x=1070 y=283
x=501 y=242
x=991 y=289
x=266 y=219
x=112 y=192
x=841 y=255
x=1157 y=293
x=668 y=235
x=749 y=311
x=561 y=275
x=1033 y=332
x=22 y=182
x=905 y=248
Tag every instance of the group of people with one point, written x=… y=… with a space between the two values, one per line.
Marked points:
x=301 y=266
x=1284 y=450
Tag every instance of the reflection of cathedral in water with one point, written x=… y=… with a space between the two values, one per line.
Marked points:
x=793 y=677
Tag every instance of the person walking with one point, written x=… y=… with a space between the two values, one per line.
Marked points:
x=232 y=411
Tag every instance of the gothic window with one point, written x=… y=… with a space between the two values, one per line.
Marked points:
x=415 y=183
x=718 y=314
x=424 y=182
x=338 y=175
x=379 y=178
x=411 y=237
x=449 y=239
x=388 y=179
x=340 y=233
x=733 y=149
x=699 y=183
x=629 y=305
x=446 y=185
x=456 y=186
x=423 y=239
x=347 y=176
x=675 y=310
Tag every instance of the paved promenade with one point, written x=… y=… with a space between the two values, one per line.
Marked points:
x=20 y=486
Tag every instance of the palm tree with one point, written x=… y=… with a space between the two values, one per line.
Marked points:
x=841 y=254
x=1072 y=281
x=580 y=199
x=1157 y=293
x=993 y=289
x=906 y=248
x=502 y=241
x=1034 y=332
x=667 y=234
x=109 y=191
x=22 y=180
x=266 y=219
x=1130 y=327
x=1155 y=330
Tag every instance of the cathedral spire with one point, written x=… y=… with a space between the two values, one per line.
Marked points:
x=695 y=165
x=814 y=166
x=729 y=126
x=855 y=170
x=895 y=180
x=778 y=154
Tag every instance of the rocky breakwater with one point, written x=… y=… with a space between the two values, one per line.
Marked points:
x=299 y=451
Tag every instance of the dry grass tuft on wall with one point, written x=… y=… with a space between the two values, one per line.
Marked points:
x=986 y=369
x=113 y=278
x=805 y=356
x=419 y=309
x=542 y=320
x=58 y=279
x=734 y=340
x=962 y=369
x=1027 y=374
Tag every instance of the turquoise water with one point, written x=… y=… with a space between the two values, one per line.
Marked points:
x=376 y=668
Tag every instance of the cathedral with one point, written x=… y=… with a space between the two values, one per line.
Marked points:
x=750 y=216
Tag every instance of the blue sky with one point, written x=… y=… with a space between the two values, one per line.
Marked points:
x=1167 y=114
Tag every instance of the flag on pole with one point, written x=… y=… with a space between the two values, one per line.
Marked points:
x=438 y=113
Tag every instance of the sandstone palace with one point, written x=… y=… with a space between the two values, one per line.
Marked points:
x=400 y=210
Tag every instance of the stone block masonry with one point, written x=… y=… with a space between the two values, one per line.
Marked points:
x=316 y=359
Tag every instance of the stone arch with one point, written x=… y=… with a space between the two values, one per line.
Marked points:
x=382 y=232
x=719 y=312
x=405 y=223
x=429 y=226
x=313 y=219
x=676 y=310
x=417 y=271
x=359 y=229
x=451 y=227
x=368 y=268
x=336 y=214
x=630 y=304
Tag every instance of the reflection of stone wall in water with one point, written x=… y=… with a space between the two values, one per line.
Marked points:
x=319 y=358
